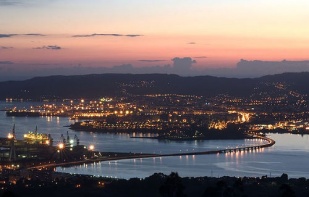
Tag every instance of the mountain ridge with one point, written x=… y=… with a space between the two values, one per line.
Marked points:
x=98 y=85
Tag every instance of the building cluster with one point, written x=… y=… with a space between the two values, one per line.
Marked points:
x=263 y=109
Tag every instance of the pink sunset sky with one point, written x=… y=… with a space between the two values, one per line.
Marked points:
x=43 y=34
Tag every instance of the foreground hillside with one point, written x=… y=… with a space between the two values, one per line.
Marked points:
x=160 y=185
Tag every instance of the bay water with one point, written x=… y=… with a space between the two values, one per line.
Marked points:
x=289 y=155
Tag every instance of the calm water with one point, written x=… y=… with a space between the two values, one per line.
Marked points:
x=289 y=155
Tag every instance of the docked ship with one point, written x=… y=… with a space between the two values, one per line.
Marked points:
x=22 y=113
x=38 y=138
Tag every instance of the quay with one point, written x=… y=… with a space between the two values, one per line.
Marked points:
x=38 y=148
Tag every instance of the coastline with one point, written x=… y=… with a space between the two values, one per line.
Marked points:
x=270 y=142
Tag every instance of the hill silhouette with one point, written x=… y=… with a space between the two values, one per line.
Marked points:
x=99 y=85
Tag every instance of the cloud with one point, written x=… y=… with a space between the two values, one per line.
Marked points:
x=180 y=65
x=191 y=43
x=183 y=65
x=4 y=47
x=11 y=35
x=133 y=35
x=6 y=62
x=183 y=61
x=115 y=35
x=9 y=3
x=50 y=47
x=7 y=35
x=93 y=35
x=20 y=2
x=260 y=68
x=34 y=34
x=151 y=60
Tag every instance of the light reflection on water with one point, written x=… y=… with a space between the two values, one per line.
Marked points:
x=271 y=161
x=288 y=155
x=230 y=164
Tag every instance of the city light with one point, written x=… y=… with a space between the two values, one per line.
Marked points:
x=91 y=147
x=61 y=146
x=10 y=136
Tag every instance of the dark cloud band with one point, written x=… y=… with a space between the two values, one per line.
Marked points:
x=7 y=35
x=50 y=47
x=33 y=34
x=114 y=35
x=9 y=3
x=4 y=47
x=11 y=35
x=6 y=62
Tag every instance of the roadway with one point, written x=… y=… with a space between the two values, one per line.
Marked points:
x=270 y=142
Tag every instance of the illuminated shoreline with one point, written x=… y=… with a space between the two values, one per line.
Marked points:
x=124 y=156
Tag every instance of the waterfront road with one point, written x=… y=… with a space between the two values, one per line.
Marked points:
x=120 y=156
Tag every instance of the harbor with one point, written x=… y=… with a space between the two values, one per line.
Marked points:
x=112 y=163
x=36 y=151
x=37 y=148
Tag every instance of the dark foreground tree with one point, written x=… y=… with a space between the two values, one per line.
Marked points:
x=286 y=191
x=8 y=193
x=172 y=186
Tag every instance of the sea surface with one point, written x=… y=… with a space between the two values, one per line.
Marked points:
x=289 y=155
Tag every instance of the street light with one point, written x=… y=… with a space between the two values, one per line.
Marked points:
x=61 y=146
x=10 y=136
x=91 y=147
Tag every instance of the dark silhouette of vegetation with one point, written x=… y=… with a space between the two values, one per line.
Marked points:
x=172 y=186
x=286 y=191
x=222 y=189
x=156 y=185
x=8 y=193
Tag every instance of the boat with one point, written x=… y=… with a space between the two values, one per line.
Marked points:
x=23 y=113
x=35 y=137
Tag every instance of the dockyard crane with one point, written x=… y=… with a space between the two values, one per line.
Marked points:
x=62 y=139
x=76 y=139
x=12 y=139
x=68 y=137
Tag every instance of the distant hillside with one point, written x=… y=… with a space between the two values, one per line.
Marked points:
x=98 y=85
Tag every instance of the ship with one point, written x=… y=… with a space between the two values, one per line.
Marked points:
x=22 y=113
x=34 y=137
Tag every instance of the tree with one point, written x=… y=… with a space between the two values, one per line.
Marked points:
x=286 y=191
x=172 y=186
